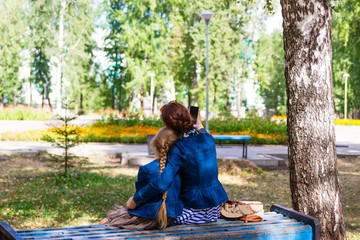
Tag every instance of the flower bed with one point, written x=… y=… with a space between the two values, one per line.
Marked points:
x=134 y=130
x=352 y=122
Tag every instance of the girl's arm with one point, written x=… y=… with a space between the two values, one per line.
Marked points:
x=159 y=184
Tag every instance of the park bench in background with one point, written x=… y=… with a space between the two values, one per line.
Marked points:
x=279 y=223
x=243 y=138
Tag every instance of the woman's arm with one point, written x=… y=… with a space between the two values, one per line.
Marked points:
x=161 y=183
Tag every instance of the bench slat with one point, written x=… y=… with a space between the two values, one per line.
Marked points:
x=191 y=229
x=290 y=232
x=281 y=223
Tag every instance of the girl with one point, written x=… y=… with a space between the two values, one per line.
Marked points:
x=160 y=210
x=194 y=158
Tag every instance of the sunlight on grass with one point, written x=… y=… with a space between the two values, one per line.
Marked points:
x=41 y=197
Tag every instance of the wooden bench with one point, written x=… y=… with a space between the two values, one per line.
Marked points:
x=279 y=223
x=243 y=138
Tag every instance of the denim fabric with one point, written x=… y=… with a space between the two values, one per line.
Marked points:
x=194 y=158
x=174 y=206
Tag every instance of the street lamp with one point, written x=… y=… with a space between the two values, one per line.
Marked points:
x=152 y=75
x=207 y=15
x=346 y=76
x=45 y=86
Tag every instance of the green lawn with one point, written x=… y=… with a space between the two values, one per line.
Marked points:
x=34 y=193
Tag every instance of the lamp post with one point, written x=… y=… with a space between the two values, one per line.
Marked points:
x=45 y=86
x=207 y=15
x=152 y=75
x=346 y=76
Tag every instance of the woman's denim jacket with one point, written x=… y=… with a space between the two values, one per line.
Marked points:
x=194 y=158
x=174 y=206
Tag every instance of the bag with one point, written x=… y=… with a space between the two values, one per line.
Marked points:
x=251 y=211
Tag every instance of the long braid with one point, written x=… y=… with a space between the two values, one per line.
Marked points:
x=162 y=214
x=164 y=141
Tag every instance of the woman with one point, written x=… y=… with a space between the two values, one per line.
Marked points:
x=194 y=158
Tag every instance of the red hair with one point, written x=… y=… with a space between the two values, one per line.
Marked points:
x=177 y=117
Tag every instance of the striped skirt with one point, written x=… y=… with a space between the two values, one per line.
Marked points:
x=198 y=216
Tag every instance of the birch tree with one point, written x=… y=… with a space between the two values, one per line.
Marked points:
x=310 y=109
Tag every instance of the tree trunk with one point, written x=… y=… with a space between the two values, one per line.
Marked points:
x=310 y=105
x=48 y=98
x=76 y=105
x=1 y=94
x=189 y=99
x=215 y=88
x=113 y=97
x=60 y=55
x=81 y=110
x=30 y=92
x=227 y=92
x=154 y=100
x=142 y=97
x=120 y=99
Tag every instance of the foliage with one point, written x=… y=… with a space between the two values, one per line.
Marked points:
x=24 y=113
x=64 y=136
x=41 y=42
x=346 y=54
x=271 y=71
x=170 y=43
x=12 y=29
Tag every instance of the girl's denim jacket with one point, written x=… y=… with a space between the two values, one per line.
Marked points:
x=174 y=206
x=194 y=158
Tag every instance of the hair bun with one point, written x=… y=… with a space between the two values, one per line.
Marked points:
x=177 y=117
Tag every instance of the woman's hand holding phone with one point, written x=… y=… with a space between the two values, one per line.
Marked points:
x=199 y=124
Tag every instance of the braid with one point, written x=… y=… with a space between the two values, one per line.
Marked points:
x=163 y=159
x=164 y=141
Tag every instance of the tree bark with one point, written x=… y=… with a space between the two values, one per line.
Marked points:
x=81 y=110
x=310 y=105
x=60 y=56
x=113 y=97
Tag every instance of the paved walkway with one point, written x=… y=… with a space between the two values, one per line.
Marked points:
x=347 y=141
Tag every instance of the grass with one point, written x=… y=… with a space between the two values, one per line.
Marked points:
x=24 y=113
x=34 y=193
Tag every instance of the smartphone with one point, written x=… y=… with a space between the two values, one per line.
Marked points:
x=194 y=112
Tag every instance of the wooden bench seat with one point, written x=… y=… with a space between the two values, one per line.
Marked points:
x=243 y=138
x=279 y=223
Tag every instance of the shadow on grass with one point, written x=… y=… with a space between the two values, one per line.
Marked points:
x=49 y=199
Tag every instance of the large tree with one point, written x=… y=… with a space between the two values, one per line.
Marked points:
x=40 y=43
x=310 y=105
x=12 y=30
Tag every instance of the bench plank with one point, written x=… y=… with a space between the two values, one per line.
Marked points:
x=275 y=225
